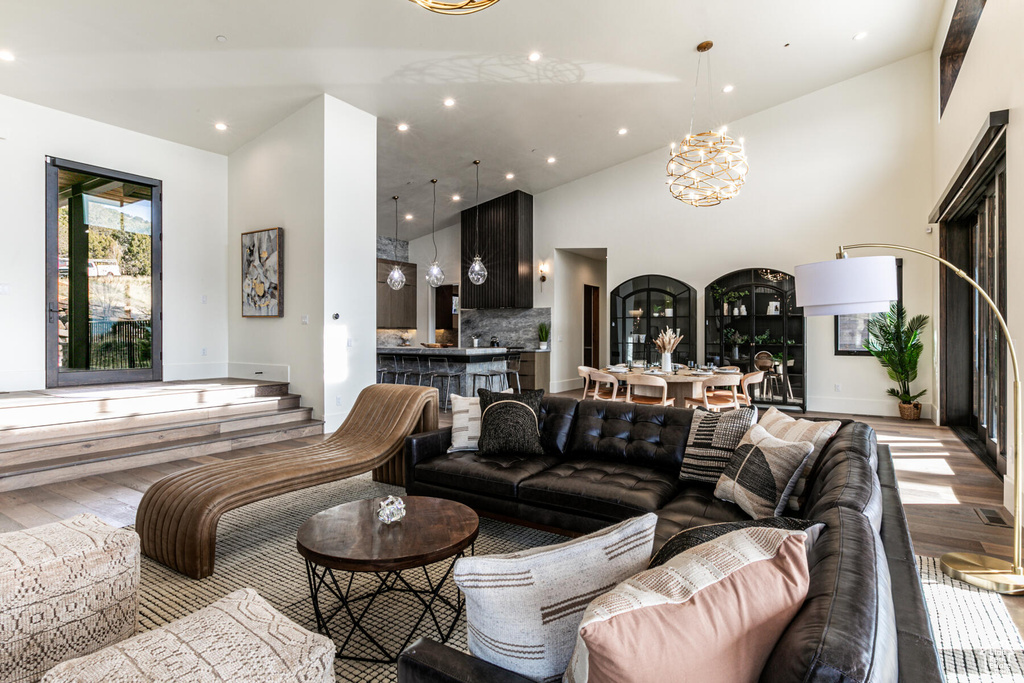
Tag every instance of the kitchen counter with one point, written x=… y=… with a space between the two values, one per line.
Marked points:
x=451 y=352
x=465 y=365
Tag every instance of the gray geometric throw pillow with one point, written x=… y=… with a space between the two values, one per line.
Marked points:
x=712 y=439
x=762 y=473
x=509 y=427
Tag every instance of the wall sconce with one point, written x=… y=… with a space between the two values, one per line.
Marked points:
x=543 y=272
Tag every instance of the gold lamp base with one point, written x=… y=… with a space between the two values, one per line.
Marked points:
x=987 y=573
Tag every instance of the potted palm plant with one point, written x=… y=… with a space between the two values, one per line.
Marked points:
x=896 y=343
x=543 y=333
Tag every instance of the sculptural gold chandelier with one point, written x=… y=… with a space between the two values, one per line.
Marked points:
x=458 y=7
x=706 y=168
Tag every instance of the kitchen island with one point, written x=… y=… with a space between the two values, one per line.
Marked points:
x=463 y=362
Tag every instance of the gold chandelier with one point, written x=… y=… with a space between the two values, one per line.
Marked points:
x=463 y=7
x=707 y=168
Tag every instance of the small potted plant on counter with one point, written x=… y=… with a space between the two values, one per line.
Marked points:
x=543 y=333
x=896 y=343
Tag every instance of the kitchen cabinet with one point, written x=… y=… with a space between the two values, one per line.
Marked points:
x=535 y=370
x=506 y=246
x=396 y=310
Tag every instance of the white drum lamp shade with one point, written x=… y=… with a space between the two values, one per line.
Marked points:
x=847 y=285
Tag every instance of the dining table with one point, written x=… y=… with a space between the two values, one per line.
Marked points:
x=682 y=383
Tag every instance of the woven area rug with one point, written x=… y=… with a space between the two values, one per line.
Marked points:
x=256 y=549
x=977 y=639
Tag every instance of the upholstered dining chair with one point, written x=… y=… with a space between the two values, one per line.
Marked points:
x=599 y=380
x=648 y=381
x=746 y=381
x=731 y=368
x=585 y=374
x=709 y=401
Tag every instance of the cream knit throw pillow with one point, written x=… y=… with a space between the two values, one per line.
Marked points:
x=784 y=427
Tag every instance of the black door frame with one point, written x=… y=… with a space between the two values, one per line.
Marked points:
x=55 y=378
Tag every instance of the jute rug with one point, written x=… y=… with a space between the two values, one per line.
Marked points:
x=977 y=640
x=256 y=549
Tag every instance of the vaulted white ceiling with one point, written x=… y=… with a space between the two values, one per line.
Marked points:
x=158 y=68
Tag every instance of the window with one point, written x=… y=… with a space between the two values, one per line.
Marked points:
x=852 y=330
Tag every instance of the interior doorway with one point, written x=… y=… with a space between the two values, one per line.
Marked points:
x=591 y=326
x=103 y=275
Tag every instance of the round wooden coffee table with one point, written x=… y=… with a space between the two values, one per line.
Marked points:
x=349 y=538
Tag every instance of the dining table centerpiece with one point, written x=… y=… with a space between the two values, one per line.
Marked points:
x=666 y=343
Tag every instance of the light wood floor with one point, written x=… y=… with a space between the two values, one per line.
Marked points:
x=941 y=482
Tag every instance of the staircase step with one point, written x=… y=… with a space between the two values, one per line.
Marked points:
x=148 y=420
x=73 y=467
x=63 y=406
x=89 y=444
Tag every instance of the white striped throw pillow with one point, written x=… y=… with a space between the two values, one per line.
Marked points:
x=784 y=427
x=523 y=609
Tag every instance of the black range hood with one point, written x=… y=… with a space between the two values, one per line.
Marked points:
x=506 y=246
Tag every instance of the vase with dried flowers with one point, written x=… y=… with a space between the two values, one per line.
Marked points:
x=667 y=342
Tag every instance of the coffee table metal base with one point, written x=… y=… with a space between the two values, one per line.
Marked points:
x=357 y=607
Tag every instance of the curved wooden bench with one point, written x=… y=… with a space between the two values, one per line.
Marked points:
x=178 y=516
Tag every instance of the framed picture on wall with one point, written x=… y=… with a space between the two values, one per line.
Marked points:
x=263 y=273
x=852 y=330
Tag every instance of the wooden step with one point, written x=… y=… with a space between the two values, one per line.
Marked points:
x=89 y=444
x=143 y=420
x=73 y=467
x=86 y=404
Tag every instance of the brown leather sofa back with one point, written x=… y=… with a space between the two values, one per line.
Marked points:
x=631 y=434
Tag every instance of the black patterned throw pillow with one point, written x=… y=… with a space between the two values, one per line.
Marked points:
x=509 y=426
x=694 y=536
x=762 y=473
x=712 y=439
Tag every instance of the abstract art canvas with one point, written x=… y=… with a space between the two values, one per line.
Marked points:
x=263 y=273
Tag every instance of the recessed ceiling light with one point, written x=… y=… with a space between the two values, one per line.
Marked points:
x=535 y=56
x=220 y=126
x=6 y=55
x=449 y=102
x=403 y=127
x=860 y=36
x=510 y=176
x=552 y=160
x=408 y=216
x=222 y=39
x=728 y=88
x=623 y=131
x=456 y=197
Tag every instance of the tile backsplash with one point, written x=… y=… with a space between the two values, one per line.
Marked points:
x=512 y=326
x=386 y=249
x=388 y=338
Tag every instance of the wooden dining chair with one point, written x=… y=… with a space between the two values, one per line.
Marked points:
x=648 y=381
x=585 y=374
x=709 y=401
x=746 y=381
x=605 y=393
x=731 y=368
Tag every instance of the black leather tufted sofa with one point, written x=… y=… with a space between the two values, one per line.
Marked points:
x=864 y=618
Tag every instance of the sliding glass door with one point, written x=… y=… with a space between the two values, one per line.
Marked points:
x=103 y=277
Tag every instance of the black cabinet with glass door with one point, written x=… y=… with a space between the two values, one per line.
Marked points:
x=644 y=306
x=752 y=321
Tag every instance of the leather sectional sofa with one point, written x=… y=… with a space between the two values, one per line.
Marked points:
x=864 y=619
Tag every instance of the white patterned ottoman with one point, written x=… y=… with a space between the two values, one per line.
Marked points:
x=66 y=589
x=239 y=638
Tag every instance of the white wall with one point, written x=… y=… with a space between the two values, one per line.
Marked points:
x=349 y=261
x=989 y=80
x=845 y=164
x=194 y=229
x=313 y=175
x=567 y=275
x=449 y=257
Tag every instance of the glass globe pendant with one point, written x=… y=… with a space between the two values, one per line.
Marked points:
x=477 y=272
x=396 y=278
x=435 y=276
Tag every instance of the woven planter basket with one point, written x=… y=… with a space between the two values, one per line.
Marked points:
x=910 y=411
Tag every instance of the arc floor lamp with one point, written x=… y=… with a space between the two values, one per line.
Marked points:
x=868 y=285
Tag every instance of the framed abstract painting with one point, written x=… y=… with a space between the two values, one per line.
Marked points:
x=263 y=273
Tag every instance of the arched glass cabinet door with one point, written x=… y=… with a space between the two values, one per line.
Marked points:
x=752 y=321
x=644 y=306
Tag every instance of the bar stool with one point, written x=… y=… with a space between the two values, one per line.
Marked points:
x=412 y=366
x=512 y=362
x=490 y=375
x=439 y=369
x=383 y=368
